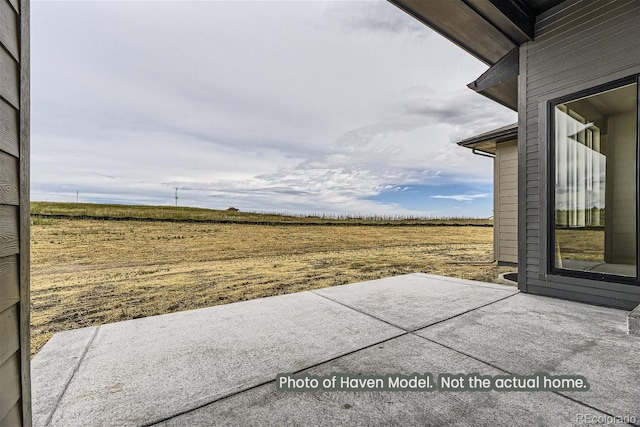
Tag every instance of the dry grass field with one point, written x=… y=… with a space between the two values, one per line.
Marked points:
x=582 y=244
x=90 y=272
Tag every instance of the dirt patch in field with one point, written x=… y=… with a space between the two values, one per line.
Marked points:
x=87 y=273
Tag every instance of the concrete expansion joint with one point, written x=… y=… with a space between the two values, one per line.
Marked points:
x=586 y=405
x=203 y=405
x=463 y=313
x=410 y=330
x=248 y=389
x=70 y=379
x=360 y=311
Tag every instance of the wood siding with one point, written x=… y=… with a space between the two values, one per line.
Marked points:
x=15 y=399
x=506 y=202
x=578 y=45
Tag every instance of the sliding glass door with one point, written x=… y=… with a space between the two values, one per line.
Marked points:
x=595 y=183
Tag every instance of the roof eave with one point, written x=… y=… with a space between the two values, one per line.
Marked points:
x=496 y=136
x=463 y=24
x=500 y=82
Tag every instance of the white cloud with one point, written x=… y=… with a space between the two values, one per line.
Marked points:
x=463 y=197
x=312 y=106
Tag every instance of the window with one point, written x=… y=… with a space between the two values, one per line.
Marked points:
x=594 y=177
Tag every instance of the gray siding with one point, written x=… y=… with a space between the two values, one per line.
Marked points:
x=15 y=400
x=578 y=45
x=506 y=202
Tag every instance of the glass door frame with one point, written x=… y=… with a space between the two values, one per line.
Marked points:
x=551 y=190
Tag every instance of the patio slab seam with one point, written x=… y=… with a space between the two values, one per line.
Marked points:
x=497 y=286
x=461 y=314
x=263 y=383
x=73 y=374
x=412 y=332
x=272 y=381
x=511 y=373
x=416 y=328
x=361 y=312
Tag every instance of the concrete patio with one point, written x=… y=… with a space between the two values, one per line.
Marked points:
x=217 y=366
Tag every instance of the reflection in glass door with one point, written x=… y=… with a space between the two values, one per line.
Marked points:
x=595 y=183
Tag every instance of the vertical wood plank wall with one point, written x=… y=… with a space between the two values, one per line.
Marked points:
x=578 y=45
x=15 y=399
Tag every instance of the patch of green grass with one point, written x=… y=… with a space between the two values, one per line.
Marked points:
x=180 y=213
x=41 y=221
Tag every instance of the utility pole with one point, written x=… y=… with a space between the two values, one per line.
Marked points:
x=77 y=192
x=176 y=196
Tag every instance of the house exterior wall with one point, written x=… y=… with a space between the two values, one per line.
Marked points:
x=15 y=402
x=506 y=202
x=578 y=45
x=496 y=209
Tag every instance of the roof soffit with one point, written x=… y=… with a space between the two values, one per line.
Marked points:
x=488 y=29
x=460 y=23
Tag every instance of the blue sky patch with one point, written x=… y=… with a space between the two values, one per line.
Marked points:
x=454 y=199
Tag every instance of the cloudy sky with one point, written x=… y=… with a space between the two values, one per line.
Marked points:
x=296 y=106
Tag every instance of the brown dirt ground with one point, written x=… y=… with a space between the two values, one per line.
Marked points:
x=87 y=273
